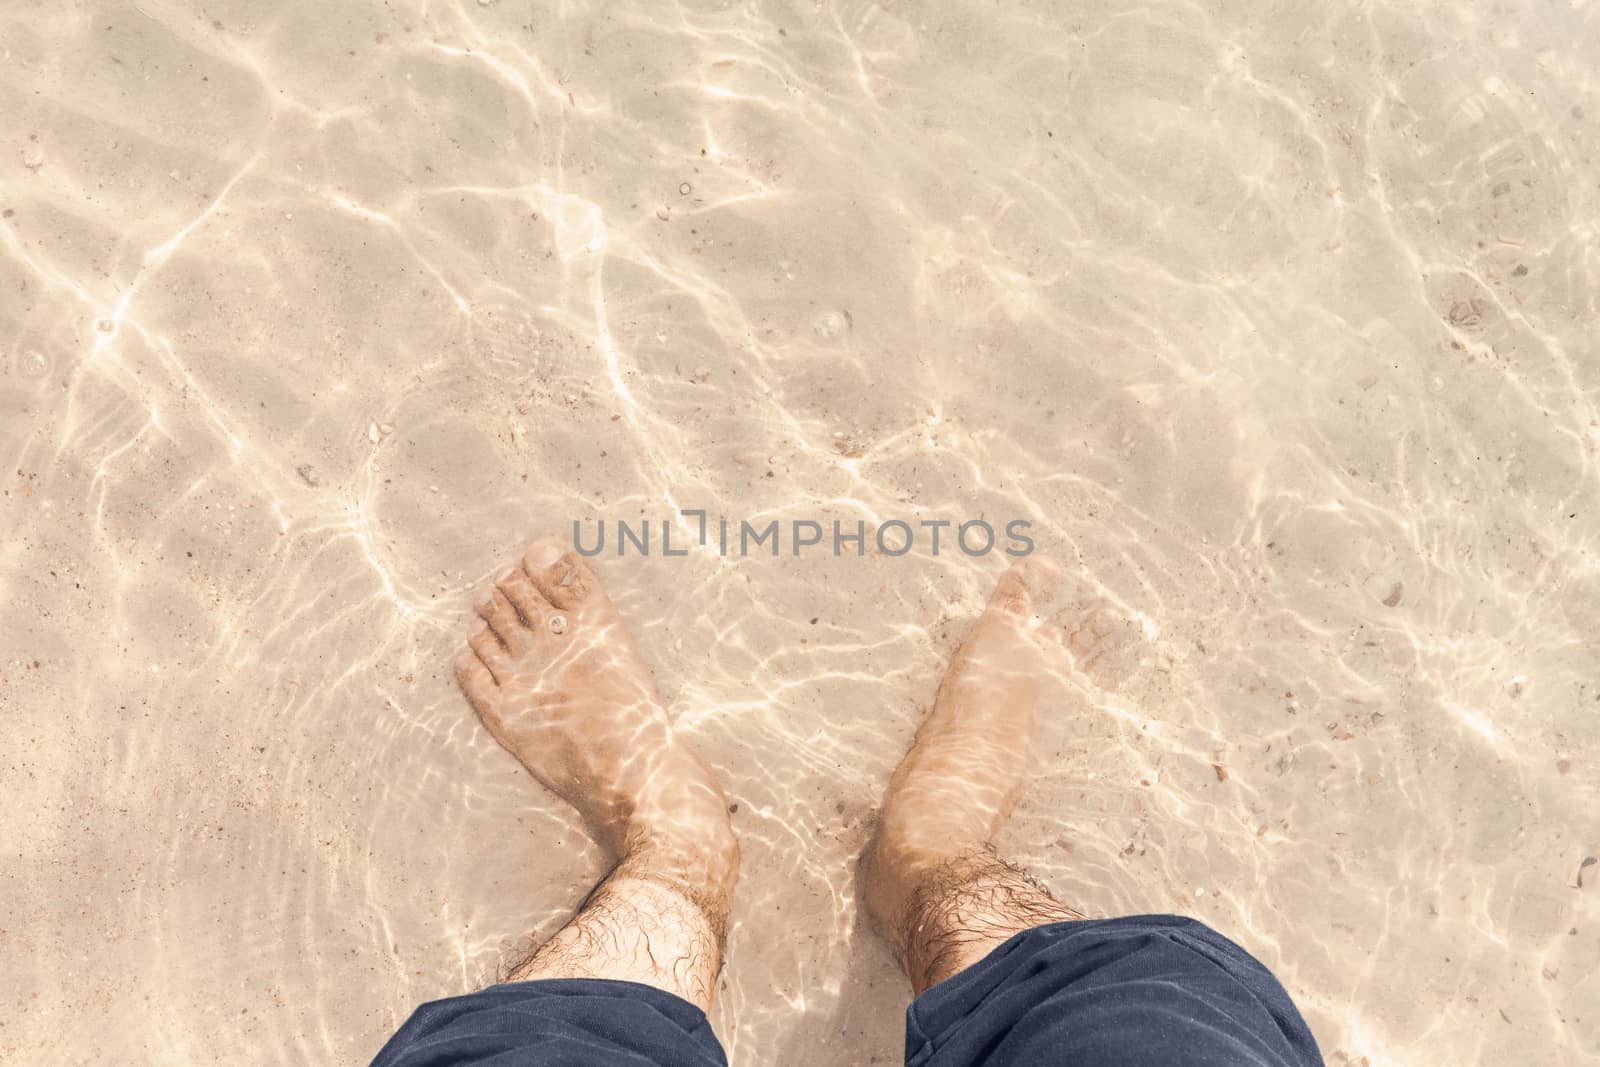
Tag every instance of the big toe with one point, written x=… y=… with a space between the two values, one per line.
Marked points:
x=1027 y=587
x=560 y=574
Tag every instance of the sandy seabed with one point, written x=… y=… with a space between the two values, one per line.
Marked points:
x=1277 y=322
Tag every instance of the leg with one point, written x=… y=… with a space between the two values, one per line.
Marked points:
x=556 y=679
x=931 y=882
x=1003 y=972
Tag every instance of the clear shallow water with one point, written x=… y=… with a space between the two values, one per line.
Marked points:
x=1278 y=324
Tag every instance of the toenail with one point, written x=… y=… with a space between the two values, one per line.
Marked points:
x=541 y=556
x=558 y=624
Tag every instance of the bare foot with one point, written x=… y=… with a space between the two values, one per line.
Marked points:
x=975 y=753
x=555 y=677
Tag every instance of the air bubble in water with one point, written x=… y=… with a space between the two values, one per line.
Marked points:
x=33 y=364
x=831 y=324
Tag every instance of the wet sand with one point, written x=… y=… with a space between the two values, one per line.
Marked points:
x=1278 y=325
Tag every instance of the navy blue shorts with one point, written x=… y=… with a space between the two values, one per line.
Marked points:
x=1141 y=991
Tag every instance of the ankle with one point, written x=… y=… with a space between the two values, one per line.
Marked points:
x=700 y=858
x=676 y=825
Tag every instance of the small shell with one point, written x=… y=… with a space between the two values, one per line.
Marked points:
x=558 y=624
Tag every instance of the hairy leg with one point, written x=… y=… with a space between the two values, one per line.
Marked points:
x=930 y=880
x=635 y=927
x=555 y=677
x=963 y=909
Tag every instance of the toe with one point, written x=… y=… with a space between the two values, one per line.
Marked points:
x=488 y=649
x=502 y=618
x=518 y=588
x=1029 y=584
x=559 y=573
x=474 y=679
